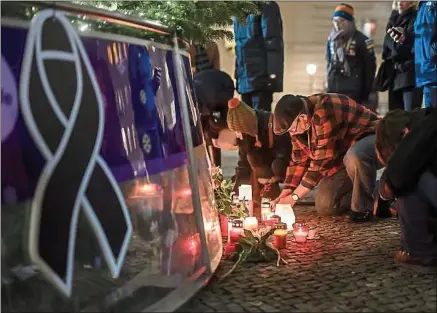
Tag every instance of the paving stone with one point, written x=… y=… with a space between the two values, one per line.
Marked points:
x=349 y=269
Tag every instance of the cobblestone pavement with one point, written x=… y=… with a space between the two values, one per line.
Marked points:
x=349 y=268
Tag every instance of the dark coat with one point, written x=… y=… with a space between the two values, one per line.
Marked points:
x=400 y=55
x=265 y=161
x=259 y=63
x=362 y=62
x=417 y=152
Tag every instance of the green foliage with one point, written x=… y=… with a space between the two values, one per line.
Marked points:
x=255 y=246
x=222 y=196
x=196 y=21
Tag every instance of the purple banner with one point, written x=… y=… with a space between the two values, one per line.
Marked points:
x=142 y=119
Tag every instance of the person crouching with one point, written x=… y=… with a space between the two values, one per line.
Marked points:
x=260 y=150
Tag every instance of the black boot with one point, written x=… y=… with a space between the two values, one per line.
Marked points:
x=360 y=217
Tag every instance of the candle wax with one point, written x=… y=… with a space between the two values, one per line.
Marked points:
x=300 y=236
x=280 y=239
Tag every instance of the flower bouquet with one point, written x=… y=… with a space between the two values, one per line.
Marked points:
x=255 y=247
x=223 y=199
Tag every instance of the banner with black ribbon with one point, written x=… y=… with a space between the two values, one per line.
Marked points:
x=63 y=110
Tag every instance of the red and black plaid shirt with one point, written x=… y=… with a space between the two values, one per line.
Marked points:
x=337 y=122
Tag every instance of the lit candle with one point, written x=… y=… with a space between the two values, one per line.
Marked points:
x=236 y=231
x=251 y=223
x=285 y=211
x=280 y=236
x=266 y=211
x=300 y=232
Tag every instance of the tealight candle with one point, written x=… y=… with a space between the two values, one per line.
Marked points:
x=236 y=231
x=300 y=232
x=251 y=223
x=280 y=236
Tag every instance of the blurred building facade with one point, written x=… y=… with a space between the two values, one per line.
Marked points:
x=306 y=29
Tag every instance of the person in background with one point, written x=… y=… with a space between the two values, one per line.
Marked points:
x=204 y=59
x=213 y=89
x=350 y=57
x=425 y=47
x=259 y=149
x=259 y=64
x=408 y=140
x=332 y=146
x=402 y=91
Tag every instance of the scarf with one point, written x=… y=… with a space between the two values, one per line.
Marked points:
x=342 y=40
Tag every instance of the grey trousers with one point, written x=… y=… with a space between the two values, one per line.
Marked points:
x=334 y=193
x=361 y=165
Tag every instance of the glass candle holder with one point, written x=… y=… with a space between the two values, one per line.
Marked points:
x=312 y=232
x=266 y=211
x=230 y=221
x=280 y=236
x=251 y=223
x=300 y=232
x=236 y=231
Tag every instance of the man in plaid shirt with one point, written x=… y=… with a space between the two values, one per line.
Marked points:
x=333 y=147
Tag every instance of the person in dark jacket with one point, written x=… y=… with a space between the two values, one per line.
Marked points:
x=350 y=58
x=213 y=89
x=402 y=91
x=259 y=149
x=259 y=64
x=409 y=140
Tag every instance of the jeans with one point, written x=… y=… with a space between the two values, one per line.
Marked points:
x=412 y=98
x=361 y=166
x=405 y=99
x=334 y=193
x=430 y=96
x=259 y=100
x=415 y=211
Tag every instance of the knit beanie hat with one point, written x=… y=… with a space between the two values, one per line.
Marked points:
x=345 y=11
x=242 y=118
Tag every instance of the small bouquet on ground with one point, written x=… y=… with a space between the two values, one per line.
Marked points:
x=222 y=196
x=255 y=247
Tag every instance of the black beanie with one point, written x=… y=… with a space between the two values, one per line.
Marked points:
x=286 y=111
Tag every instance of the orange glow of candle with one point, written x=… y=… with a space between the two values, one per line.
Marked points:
x=184 y=192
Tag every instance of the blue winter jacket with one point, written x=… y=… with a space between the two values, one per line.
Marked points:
x=260 y=51
x=424 y=43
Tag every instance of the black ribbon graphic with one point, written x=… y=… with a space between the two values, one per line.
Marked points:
x=69 y=132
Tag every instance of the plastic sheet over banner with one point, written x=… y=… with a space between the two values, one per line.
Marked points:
x=97 y=204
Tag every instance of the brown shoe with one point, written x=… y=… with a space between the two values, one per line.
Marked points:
x=404 y=259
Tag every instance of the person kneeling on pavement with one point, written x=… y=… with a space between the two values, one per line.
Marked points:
x=259 y=150
x=406 y=142
x=333 y=147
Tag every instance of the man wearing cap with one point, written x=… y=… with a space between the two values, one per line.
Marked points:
x=350 y=57
x=333 y=146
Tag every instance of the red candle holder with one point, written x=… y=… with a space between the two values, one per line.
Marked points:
x=280 y=236
x=237 y=231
